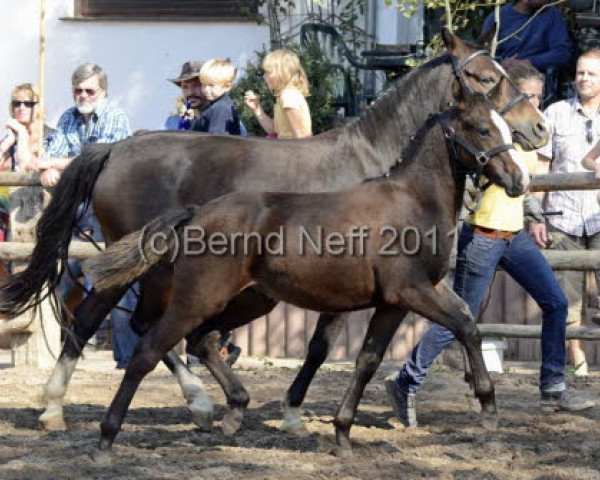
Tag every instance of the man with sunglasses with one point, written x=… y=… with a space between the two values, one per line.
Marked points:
x=93 y=119
x=575 y=129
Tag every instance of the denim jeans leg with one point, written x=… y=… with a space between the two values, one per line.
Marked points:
x=525 y=263
x=476 y=261
x=67 y=280
x=124 y=338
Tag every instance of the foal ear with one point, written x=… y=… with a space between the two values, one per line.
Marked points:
x=486 y=38
x=453 y=43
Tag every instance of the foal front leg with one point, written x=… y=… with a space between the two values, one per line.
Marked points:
x=326 y=332
x=382 y=326
x=443 y=306
x=88 y=317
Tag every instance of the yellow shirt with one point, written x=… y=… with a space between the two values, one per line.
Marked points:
x=499 y=211
x=291 y=98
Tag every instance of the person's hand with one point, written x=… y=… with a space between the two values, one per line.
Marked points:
x=597 y=167
x=539 y=233
x=50 y=177
x=252 y=101
x=18 y=129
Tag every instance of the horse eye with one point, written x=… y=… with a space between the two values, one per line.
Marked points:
x=484 y=132
x=487 y=80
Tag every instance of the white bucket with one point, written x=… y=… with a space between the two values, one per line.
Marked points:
x=493 y=353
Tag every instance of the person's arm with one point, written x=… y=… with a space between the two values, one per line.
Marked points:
x=253 y=102
x=56 y=157
x=560 y=44
x=8 y=140
x=537 y=228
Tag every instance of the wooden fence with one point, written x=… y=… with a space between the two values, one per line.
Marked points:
x=285 y=332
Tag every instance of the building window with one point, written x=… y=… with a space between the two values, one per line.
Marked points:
x=167 y=9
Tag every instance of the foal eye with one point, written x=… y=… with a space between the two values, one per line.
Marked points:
x=484 y=132
x=487 y=80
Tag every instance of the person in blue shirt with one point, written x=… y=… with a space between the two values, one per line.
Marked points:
x=545 y=41
x=94 y=118
x=220 y=115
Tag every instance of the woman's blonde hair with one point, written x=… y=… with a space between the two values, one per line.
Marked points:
x=36 y=112
x=286 y=70
x=221 y=72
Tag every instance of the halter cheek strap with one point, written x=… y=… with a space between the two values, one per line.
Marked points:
x=482 y=158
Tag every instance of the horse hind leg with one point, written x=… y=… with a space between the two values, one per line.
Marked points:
x=443 y=306
x=198 y=402
x=326 y=332
x=88 y=317
x=382 y=326
x=204 y=342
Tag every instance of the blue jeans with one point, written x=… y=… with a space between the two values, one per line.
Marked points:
x=477 y=258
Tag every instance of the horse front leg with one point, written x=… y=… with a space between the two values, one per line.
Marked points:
x=382 y=326
x=326 y=332
x=88 y=317
x=442 y=305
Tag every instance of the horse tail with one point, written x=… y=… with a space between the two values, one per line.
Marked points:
x=24 y=290
x=132 y=256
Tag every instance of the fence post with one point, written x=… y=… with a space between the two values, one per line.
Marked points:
x=38 y=345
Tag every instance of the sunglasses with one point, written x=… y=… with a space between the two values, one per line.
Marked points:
x=90 y=92
x=27 y=103
x=589 y=133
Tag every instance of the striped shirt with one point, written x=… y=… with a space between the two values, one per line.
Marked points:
x=569 y=127
x=107 y=124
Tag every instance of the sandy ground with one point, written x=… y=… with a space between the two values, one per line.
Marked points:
x=159 y=442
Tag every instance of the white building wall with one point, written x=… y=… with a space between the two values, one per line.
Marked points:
x=137 y=56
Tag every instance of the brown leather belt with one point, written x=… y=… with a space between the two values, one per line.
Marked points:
x=495 y=234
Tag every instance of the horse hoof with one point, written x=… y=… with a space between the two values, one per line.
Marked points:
x=203 y=419
x=343 y=452
x=489 y=421
x=297 y=428
x=232 y=421
x=52 y=423
x=102 y=457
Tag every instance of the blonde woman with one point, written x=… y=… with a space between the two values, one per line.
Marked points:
x=20 y=141
x=285 y=77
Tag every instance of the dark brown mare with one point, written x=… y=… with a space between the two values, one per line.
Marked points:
x=307 y=249
x=136 y=180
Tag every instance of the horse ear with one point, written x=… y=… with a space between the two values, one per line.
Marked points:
x=453 y=44
x=449 y=38
x=485 y=39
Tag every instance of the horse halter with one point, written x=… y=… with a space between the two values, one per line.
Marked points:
x=459 y=72
x=482 y=158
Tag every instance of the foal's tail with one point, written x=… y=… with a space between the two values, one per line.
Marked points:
x=132 y=256
x=23 y=290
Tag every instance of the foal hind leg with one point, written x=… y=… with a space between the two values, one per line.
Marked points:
x=382 y=326
x=177 y=322
x=443 y=306
x=150 y=308
x=88 y=317
x=204 y=341
x=326 y=332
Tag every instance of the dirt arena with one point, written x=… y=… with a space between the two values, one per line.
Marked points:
x=159 y=442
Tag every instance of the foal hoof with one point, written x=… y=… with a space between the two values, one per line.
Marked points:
x=102 y=457
x=232 y=421
x=52 y=423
